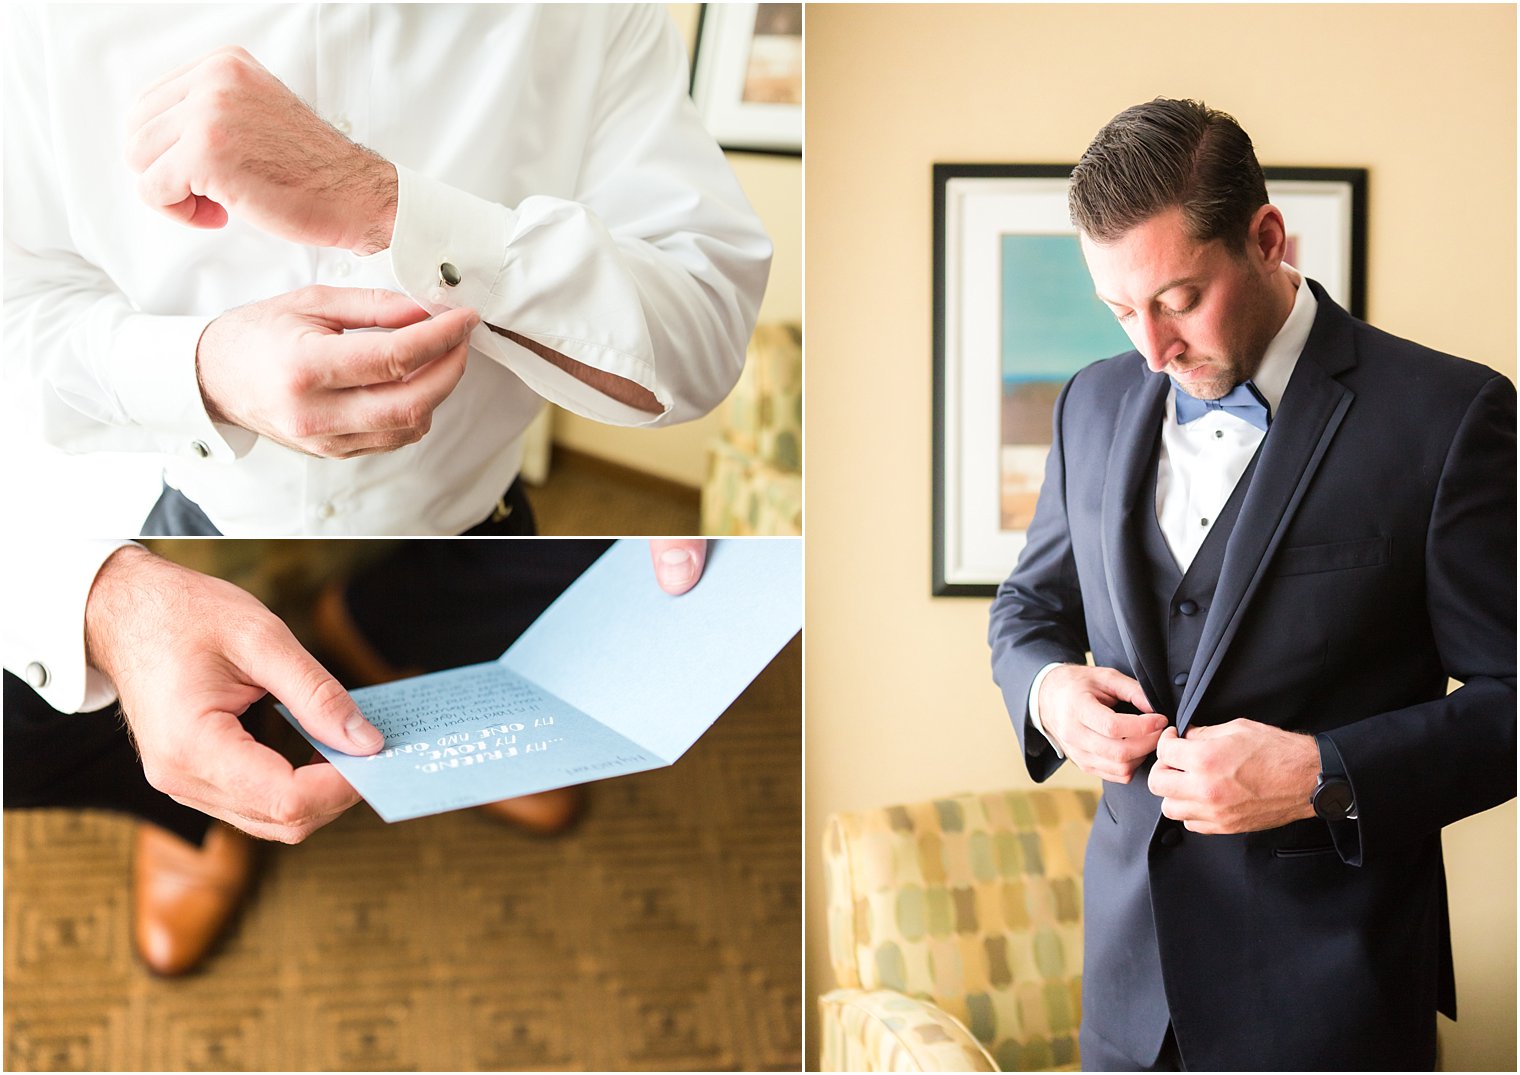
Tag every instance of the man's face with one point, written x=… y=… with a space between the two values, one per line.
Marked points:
x=1195 y=311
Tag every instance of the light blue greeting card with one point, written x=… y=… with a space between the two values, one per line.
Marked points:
x=615 y=677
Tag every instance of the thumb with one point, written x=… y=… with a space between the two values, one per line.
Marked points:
x=313 y=696
x=678 y=562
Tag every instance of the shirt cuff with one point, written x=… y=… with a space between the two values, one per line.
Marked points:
x=49 y=588
x=540 y=270
x=153 y=370
x=1034 y=708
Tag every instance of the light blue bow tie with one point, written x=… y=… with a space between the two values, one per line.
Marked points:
x=1243 y=401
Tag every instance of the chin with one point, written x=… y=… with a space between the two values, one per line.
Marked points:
x=1207 y=390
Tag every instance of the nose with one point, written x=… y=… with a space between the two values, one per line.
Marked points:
x=1159 y=343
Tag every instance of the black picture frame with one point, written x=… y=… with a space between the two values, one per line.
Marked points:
x=970 y=556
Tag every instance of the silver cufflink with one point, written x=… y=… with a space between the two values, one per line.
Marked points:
x=448 y=274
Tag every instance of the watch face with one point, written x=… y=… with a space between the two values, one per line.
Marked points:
x=1333 y=800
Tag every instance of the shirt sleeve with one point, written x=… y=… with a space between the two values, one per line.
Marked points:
x=103 y=374
x=1034 y=708
x=652 y=272
x=47 y=586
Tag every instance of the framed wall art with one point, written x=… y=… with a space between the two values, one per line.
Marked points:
x=747 y=76
x=1015 y=317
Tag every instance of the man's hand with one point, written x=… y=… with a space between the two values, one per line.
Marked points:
x=284 y=368
x=223 y=135
x=1076 y=708
x=1242 y=776
x=188 y=654
x=678 y=562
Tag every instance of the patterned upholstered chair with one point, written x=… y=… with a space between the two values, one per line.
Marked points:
x=754 y=468
x=955 y=932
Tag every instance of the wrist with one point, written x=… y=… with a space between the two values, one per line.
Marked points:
x=203 y=347
x=106 y=619
x=374 y=190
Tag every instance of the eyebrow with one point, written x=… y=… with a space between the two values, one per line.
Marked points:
x=1181 y=281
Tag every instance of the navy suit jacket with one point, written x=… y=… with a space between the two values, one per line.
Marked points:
x=1373 y=558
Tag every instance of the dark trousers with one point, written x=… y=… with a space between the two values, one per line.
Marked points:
x=176 y=515
x=84 y=761
x=430 y=603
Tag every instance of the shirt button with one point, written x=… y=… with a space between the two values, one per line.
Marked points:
x=1187 y=608
x=341 y=269
x=1203 y=522
x=1218 y=433
x=342 y=125
x=37 y=675
x=1180 y=679
x=438 y=295
x=449 y=274
x=199 y=450
x=325 y=510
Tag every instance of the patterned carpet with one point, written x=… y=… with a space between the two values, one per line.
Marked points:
x=664 y=932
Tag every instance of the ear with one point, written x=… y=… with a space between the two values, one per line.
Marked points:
x=1267 y=237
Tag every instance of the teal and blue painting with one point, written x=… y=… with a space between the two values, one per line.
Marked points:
x=1053 y=325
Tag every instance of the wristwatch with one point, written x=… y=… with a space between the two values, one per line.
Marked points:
x=1332 y=798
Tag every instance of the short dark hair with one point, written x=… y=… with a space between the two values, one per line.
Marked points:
x=1167 y=153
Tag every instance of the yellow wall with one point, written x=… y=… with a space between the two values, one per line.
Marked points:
x=900 y=704
x=773 y=185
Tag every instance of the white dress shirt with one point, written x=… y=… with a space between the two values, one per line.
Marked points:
x=551 y=153
x=1201 y=462
x=44 y=587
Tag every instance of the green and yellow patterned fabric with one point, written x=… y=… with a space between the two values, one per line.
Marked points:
x=971 y=905
x=886 y=1031
x=754 y=469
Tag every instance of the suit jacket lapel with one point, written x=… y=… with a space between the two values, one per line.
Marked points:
x=1310 y=413
x=1136 y=432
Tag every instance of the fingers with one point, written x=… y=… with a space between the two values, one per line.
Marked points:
x=230 y=775
x=150 y=141
x=408 y=405
x=274 y=660
x=359 y=307
x=373 y=358
x=1123 y=687
x=678 y=562
x=166 y=186
x=173 y=87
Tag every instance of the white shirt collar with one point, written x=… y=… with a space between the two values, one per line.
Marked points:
x=1282 y=353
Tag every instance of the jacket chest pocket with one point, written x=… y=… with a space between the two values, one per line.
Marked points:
x=1335 y=556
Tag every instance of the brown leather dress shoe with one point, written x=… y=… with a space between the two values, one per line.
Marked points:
x=545 y=813
x=184 y=897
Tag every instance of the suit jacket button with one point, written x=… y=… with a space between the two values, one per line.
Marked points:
x=1180 y=679
x=1187 y=608
x=1171 y=836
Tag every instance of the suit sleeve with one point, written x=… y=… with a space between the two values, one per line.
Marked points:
x=1417 y=769
x=1037 y=617
x=652 y=272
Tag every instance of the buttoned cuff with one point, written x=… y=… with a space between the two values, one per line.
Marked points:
x=153 y=372
x=49 y=587
x=541 y=271
x=1034 y=709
